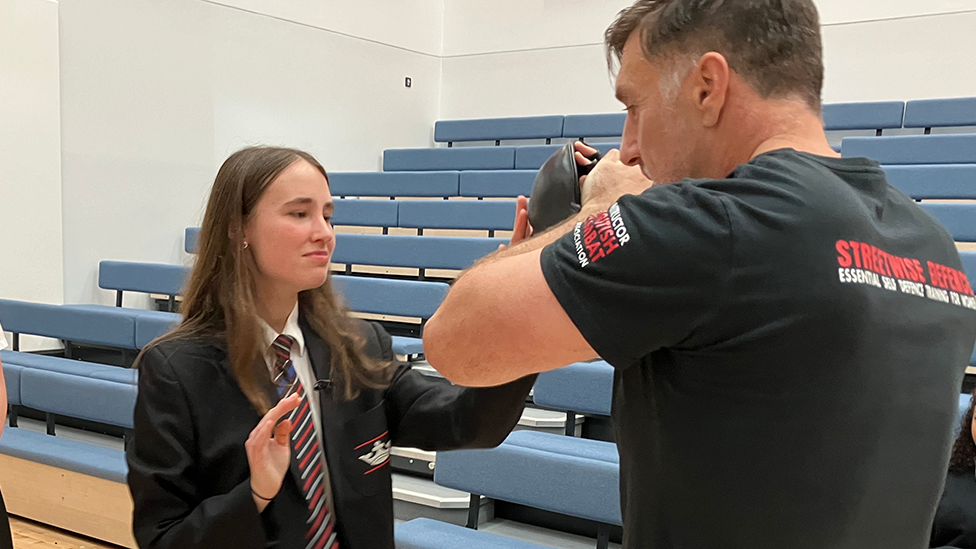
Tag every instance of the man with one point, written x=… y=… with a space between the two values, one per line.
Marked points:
x=789 y=333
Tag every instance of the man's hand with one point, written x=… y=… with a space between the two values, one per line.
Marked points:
x=522 y=228
x=609 y=180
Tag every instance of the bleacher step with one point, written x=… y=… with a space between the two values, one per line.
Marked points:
x=415 y=497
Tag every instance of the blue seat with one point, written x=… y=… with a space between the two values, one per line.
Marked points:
x=575 y=477
x=578 y=126
x=408 y=345
x=494 y=129
x=393 y=184
x=384 y=296
x=913 y=149
x=110 y=326
x=118 y=375
x=80 y=457
x=152 y=324
x=497 y=183
x=879 y=115
x=365 y=213
x=424 y=533
x=457 y=158
x=418 y=252
x=55 y=364
x=584 y=387
x=969 y=265
x=485 y=215
x=964 y=400
x=190 y=238
x=934 y=181
x=532 y=157
x=958 y=219
x=934 y=113
x=150 y=278
x=11 y=378
x=79 y=397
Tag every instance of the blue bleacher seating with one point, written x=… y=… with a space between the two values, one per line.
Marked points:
x=577 y=126
x=150 y=278
x=958 y=219
x=190 y=238
x=934 y=113
x=80 y=457
x=104 y=401
x=383 y=296
x=457 y=158
x=913 y=149
x=393 y=184
x=534 y=156
x=419 y=252
x=584 y=387
x=109 y=326
x=969 y=265
x=407 y=298
x=494 y=129
x=11 y=378
x=496 y=183
x=365 y=213
x=572 y=476
x=486 y=215
x=152 y=324
x=78 y=397
x=934 y=181
x=57 y=364
x=880 y=115
x=424 y=533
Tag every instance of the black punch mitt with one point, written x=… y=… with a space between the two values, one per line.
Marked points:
x=556 y=191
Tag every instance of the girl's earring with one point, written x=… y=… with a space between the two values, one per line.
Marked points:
x=245 y=244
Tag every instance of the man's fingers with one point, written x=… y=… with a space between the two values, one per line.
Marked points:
x=582 y=160
x=585 y=149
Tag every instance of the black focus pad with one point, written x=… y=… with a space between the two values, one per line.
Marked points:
x=556 y=192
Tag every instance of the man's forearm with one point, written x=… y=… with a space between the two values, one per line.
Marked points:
x=545 y=238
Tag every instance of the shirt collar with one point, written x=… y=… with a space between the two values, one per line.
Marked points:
x=291 y=329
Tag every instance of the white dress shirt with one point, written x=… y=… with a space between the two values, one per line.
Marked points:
x=3 y=340
x=302 y=363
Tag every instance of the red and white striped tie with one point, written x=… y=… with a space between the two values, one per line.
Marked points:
x=306 y=453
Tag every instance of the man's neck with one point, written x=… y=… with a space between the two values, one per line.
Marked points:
x=793 y=126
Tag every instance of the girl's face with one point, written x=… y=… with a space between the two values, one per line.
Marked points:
x=289 y=232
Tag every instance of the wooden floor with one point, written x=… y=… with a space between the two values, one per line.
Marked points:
x=32 y=535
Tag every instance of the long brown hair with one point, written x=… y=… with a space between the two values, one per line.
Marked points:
x=218 y=303
x=964 y=450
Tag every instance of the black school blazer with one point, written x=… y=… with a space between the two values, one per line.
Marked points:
x=188 y=471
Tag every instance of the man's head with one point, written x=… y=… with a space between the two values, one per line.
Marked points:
x=703 y=80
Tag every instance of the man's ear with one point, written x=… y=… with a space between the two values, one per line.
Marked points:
x=711 y=87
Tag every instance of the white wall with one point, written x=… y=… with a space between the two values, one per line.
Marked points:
x=410 y=24
x=30 y=152
x=156 y=94
x=522 y=57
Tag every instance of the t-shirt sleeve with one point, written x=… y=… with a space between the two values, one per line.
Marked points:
x=645 y=274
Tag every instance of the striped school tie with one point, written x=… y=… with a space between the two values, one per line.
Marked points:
x=305 y=451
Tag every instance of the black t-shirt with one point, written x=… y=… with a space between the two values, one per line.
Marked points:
x=955 y=518
x=789 y=346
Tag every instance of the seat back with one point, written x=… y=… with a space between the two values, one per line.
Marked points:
x=150 y=278
x=78 y=397
x=494 y=129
